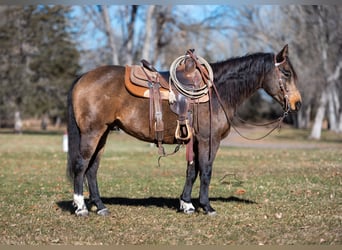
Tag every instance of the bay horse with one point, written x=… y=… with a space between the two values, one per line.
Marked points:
x=98 y=102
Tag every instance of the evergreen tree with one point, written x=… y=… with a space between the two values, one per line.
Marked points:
x=38 y=62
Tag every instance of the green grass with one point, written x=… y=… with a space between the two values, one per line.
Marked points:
x=262 y=195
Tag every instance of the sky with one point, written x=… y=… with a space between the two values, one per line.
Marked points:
x=94 y=40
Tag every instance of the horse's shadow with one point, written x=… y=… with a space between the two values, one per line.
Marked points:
x=171 y=203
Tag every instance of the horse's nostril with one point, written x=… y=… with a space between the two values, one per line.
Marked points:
x=298 y=105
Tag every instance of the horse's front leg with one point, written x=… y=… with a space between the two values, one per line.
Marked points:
x=205 y=176
x=185 y=199
x=205 y=170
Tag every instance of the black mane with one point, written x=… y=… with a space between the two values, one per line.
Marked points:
x=239 y=77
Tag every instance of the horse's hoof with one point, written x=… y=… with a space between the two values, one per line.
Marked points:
x=211 y=213
x=103 y=212
x=189 y=211
x=81 y=212
x=187 y=207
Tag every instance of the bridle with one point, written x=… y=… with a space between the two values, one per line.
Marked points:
x=282 y=86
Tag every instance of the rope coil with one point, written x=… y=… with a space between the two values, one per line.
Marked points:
x=190 y=92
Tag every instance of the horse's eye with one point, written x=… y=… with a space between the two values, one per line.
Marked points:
x=286 y=73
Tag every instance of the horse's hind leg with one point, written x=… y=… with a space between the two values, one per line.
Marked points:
x=91 y=175
x=78 y=199
x=94 y=194
x=88 y=147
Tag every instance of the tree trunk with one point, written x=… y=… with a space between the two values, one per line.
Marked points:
x=18 y=124
x=335 y=110
x=317 y=126
x=338 y=110
x=148 y=42
x=303 y=117
x=110 y=35
x=332 y=109
x=339 y=128
x=130 y=35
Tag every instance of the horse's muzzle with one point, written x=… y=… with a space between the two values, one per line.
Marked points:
x=298 y=105
x=295 y=102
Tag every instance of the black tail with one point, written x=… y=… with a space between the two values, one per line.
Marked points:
x=73 y=136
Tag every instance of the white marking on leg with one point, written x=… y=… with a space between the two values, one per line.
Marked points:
x=186 y=207
x=81 y=209
x=79 y=200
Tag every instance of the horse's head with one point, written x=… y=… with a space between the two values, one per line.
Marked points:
x=282 y=84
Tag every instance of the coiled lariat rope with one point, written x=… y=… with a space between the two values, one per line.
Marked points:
x=190 y=92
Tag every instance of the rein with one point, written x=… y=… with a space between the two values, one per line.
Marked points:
x=278 y=120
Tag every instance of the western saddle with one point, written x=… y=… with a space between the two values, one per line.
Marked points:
x=188 y=82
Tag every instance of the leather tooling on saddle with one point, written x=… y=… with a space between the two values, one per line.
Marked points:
x=186 y=84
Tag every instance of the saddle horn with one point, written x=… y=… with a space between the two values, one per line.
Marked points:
x=148 y=65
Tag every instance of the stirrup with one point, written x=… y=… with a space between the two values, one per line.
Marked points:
x=187 y=135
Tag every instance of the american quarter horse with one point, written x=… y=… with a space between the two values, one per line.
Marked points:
x=98 y=102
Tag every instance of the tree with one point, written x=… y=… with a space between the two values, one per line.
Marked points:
x=327 y=20
x=54 y=66
x=39 y=60
x=13 y=61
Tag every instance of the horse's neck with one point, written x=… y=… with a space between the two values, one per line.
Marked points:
x=239 y=78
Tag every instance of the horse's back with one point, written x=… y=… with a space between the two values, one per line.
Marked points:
x=99 y=78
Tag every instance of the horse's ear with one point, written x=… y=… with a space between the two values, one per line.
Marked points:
x=283 y=54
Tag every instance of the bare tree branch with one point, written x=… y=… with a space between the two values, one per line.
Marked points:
x=110 y=35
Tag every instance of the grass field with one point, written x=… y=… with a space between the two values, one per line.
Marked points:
x=263 y=194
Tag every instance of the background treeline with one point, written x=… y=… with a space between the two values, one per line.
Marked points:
x=43 y=48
